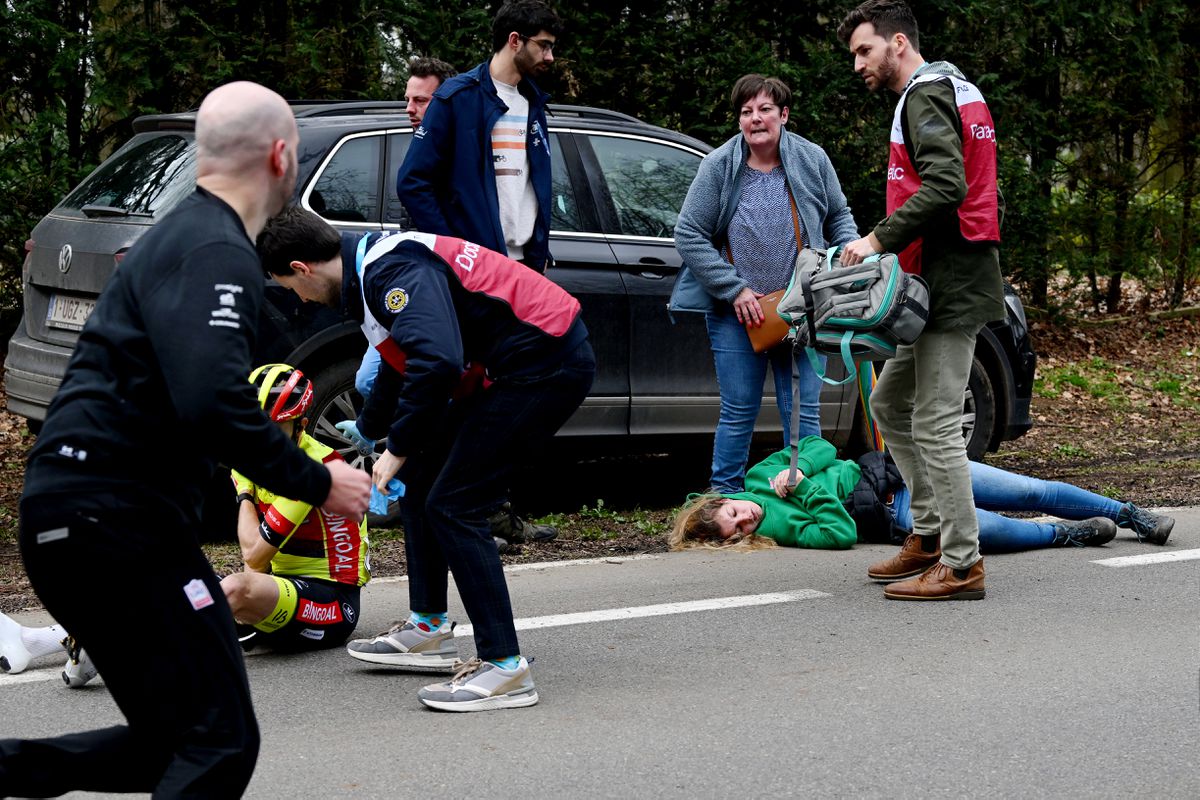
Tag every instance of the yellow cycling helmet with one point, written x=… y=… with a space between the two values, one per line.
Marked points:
x=283 y=391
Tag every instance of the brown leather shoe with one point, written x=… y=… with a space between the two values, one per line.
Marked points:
x=911 y=560
x=939 y=583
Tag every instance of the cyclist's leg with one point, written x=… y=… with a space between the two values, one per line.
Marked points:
x=309 y=614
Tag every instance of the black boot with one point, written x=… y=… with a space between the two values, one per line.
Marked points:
x=512 y=529
x=1085 y=533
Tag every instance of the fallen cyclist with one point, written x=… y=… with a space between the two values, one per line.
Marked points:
x=304 y=567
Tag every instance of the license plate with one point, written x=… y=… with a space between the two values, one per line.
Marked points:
x=68 y=313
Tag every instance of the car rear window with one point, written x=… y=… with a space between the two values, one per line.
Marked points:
x=148 y=176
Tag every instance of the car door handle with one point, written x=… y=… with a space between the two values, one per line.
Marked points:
x=651 y=261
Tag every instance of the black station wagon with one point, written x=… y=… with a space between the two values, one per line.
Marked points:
x=618 y=187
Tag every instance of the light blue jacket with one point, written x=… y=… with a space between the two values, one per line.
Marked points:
x=713 y=198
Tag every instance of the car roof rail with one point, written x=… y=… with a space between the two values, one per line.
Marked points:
x=185 y=121
x=307 y=109
x=587 y=112
x=342 y=108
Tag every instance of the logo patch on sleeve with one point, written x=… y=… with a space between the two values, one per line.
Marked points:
x=396 y=300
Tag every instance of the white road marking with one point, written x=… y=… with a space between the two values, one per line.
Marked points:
x=30 y=676
x=553 y=620
x=663 y=609
x=1149 y=558
x=578 y=562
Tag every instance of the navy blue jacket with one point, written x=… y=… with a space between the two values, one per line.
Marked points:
x=448 y=182
x=446 y=305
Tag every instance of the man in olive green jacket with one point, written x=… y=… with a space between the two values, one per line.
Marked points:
x=943 y=220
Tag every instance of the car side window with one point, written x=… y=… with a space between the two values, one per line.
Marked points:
x=347 y=189
x=647 y=182
x=397 y=148
x=564 y=208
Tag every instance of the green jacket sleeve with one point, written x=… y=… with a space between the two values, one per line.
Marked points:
x=815 y=456
x=935 y=132
x=827 y=525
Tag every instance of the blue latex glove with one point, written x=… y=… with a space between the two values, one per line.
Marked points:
x=380 y=500
x=349 y=429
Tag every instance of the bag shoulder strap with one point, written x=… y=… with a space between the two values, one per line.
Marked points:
x=795 y=226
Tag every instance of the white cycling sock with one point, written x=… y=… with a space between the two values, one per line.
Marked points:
x=43 y=641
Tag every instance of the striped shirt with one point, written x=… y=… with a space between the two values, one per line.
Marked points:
x=510 y=162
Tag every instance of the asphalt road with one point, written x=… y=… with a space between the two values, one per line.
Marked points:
x=1072 y=679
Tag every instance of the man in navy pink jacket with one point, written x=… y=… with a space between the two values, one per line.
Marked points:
x=482 y=359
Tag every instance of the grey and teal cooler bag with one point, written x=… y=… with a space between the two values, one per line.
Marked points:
x=858 y=313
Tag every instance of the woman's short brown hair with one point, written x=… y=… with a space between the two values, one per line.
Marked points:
x=750 y=86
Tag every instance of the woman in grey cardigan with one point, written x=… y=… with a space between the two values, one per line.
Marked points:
x=738 y=237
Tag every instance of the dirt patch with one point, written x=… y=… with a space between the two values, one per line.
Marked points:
x=1116 y=411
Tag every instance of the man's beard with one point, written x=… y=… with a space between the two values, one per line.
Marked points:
x=527 y=64
x=887 y=70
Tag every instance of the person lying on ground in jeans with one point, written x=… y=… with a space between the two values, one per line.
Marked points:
x=483 y=361
x=304 y=567
x=755 y=200
x=813 y=513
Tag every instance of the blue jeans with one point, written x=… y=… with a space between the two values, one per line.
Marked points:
x=740 y=376
x=998 y=490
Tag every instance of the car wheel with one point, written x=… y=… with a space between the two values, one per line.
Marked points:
x=335 y=399
x=979 y=411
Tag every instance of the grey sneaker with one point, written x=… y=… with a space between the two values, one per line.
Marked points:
x=482 y=686
x=405 y=645
x=1152 y=528
x=79 y=668
x=512 y=529
x=1085 y=533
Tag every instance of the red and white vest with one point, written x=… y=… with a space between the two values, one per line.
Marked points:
x=533 y=298
x=978 y=216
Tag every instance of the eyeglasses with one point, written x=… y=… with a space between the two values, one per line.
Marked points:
x=545 y=44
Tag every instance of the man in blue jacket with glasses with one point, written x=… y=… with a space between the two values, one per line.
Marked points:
x=479 y=164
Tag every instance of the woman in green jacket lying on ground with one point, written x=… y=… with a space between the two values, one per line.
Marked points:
x=813 y=513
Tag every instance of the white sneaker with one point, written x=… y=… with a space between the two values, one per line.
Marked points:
x=14 y=656
x=482 y=686
x=79 y=668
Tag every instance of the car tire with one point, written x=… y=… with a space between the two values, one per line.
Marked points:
x=335 y=399
x=979 y=411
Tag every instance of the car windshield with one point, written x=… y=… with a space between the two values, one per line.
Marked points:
x=147 y=177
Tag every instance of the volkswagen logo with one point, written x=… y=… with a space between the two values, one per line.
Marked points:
x=64 y=259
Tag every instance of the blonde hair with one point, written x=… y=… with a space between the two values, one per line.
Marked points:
x=695 y=525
